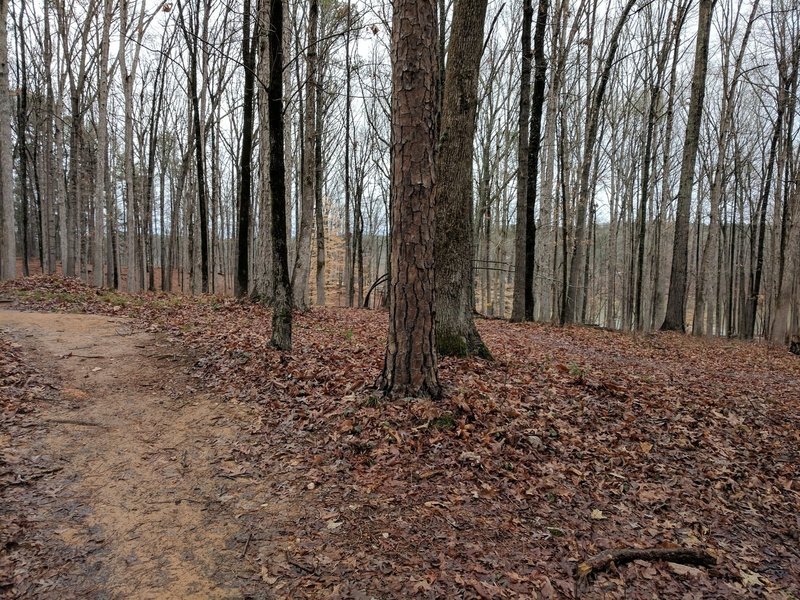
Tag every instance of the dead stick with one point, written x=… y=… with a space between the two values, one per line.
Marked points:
x=604 y=560
x=76 y=422
x=246 y=544
x=300 y=566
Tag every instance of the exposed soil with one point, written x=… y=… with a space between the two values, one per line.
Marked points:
x=135 y=499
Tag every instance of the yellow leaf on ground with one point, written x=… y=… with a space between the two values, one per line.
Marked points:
x=597 y=515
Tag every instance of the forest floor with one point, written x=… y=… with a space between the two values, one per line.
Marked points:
x=154 y=446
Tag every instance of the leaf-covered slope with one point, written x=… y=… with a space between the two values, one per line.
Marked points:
x=571 y=442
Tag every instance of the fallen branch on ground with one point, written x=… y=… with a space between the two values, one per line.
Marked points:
x=603 y=561
x=76 y=422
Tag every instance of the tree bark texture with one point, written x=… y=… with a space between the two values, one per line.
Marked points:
x=410 y=364
x=518 y=305
x=456 y=334
x=282 y=301
x=534 y=146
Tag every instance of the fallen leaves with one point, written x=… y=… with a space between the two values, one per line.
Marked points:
x=573 y=441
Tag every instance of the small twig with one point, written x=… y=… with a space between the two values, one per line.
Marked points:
x=246 y=544
x=175 y=501
x=300 y=566
x=83 y=355
x=77 y=422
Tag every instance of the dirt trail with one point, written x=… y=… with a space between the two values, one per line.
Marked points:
x=143 y=471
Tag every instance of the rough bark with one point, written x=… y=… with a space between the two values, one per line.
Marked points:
x=456 y=334
x=410 y=364
x=282 y=301
x=263 y=275
x=518 y=305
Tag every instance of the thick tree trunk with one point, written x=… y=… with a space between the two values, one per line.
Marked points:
x=410 y=364
x=676 y=300
x=456 y=334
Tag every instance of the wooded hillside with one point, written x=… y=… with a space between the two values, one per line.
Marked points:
x=622 y=163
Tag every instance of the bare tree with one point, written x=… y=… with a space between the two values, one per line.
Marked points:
x=282 y=301
x=574 y=294
x=8 y=247
x=302 y=265
x=675 y=317
x=242 y=283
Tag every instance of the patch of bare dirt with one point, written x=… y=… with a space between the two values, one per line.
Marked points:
x=141 y=496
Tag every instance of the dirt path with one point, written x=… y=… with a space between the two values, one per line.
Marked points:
x=143 y=471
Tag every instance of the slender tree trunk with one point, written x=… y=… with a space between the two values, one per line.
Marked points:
x=579 y=247
x=100 y=200
x=191 y=40
x=242 y=283
x=348 y=248
x=302 y=265
x=703 y=287
x=282 y=303
x=676 y=300
x=754 y=289
x=534 y=147
x=518 y=312
x=8 y=247
x=263 y=274
x=319 y=212
x=22 y=134
x=652 y=114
